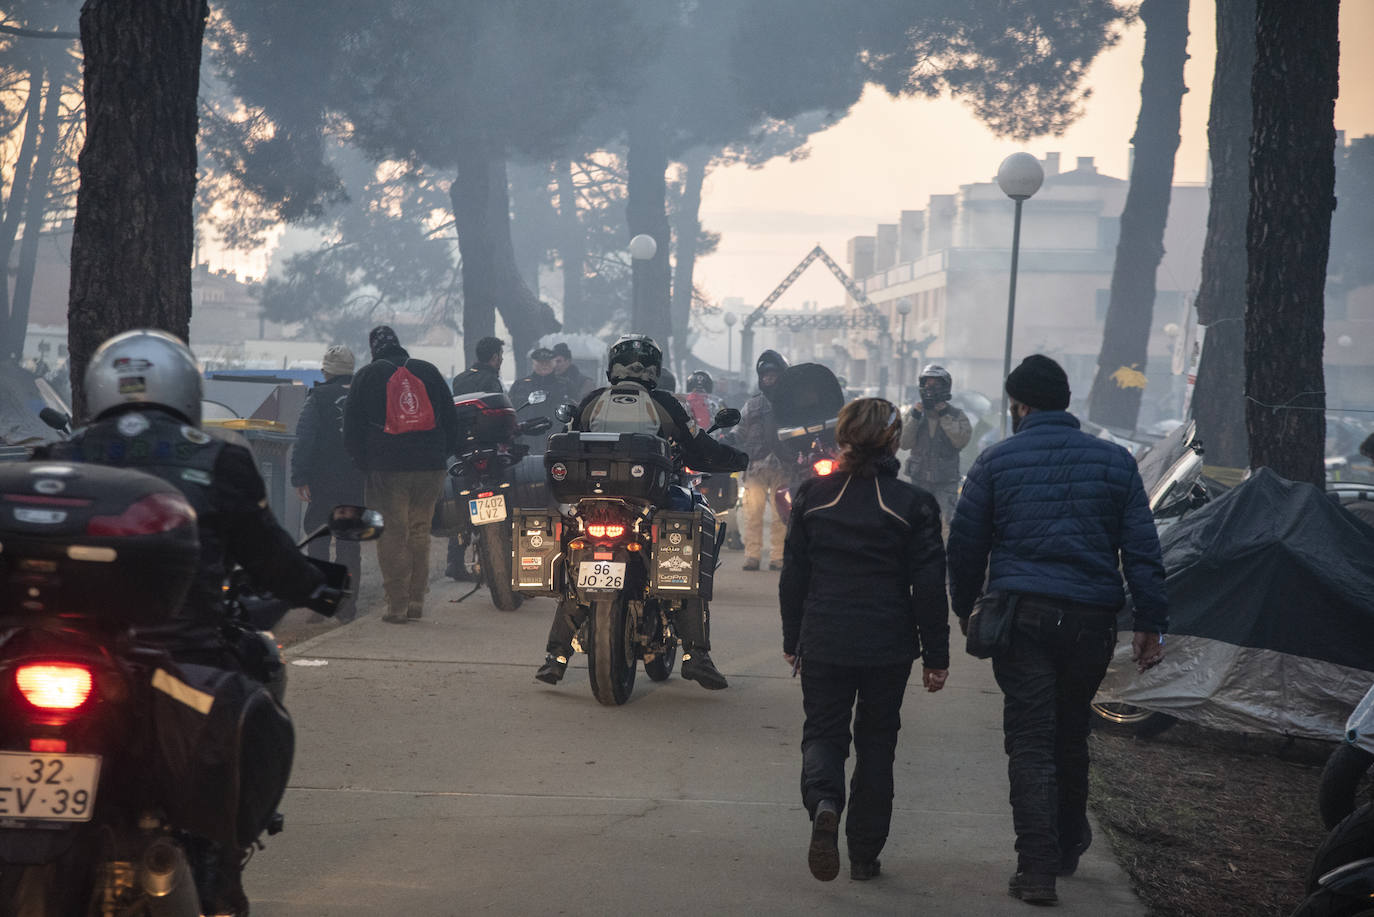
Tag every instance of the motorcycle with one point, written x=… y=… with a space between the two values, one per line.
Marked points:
x=482 y=488
x=1340 y=882
x=618 y=551
x=1346 y=778
x=119 y=765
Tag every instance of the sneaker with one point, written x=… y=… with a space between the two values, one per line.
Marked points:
x=775 y=565
x=394 y=619
x=698 y=667
x=1068 y=860
x=863 y=870
x=751 y=563
x=551 y=672
x=1033 y=888
x=824 y=854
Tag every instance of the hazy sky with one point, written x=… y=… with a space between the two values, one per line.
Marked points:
x=889 y=156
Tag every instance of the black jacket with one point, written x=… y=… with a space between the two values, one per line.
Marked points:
x=863 y=573
x=477 y=378
x=318 y=459
x=371 y=447
x=221 y=482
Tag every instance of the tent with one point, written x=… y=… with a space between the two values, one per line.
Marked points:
x=1271 y=595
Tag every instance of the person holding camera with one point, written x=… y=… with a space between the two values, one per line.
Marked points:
x=935 y=431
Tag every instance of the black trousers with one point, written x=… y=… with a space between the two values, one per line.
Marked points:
x=692 y=623
x=1057 y=658
x=829 y=693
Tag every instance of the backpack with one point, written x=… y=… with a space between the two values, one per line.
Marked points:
x=407 y=403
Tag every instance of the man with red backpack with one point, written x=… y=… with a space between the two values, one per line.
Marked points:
x=400 y=427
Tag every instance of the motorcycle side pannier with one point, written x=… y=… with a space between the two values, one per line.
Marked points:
x=537 y=546
x=684 y=554
x=92 y=541
x=636 y=466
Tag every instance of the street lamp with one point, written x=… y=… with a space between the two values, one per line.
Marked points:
x=1019 y=176
x=642 y=251
x=903 y=309
x=730 y=319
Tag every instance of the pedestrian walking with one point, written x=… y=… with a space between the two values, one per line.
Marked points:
x=855 y=647
x=321 y=470
x=935 y=431
x=1053 y=517
x=484 y=375
x=400 y=427
x=758 y=436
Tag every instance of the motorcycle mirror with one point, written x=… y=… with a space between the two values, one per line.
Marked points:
x=537 y=397
x=356 y=523
x=725 y=419
x=55 y=418
x=565 y=413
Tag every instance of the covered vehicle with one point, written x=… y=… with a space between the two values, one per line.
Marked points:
x=1271 y=623
x=23 y=396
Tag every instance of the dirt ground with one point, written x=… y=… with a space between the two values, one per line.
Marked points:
x=1210 y=823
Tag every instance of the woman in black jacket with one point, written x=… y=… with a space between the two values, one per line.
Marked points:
x=863 y=595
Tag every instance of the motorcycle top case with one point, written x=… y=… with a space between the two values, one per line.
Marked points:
x=635 y=466
x=89 y=541
x=487 y=417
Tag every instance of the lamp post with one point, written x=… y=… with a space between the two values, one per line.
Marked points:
x=903 y=309
x=642 y=250
x=1019 y=176
x=730 y=319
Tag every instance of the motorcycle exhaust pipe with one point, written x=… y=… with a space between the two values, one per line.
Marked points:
x=166 y=879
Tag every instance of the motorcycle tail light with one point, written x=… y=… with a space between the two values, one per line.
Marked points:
x=480 y=464
x=824 y=466
x=605 y=530
x=487 y=493
x=54 y=685
x=48 y=746
x=153 y=515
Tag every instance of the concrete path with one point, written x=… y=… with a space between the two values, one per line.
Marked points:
x=434 y=776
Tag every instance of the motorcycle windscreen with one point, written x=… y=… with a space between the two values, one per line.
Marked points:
x=806 y=394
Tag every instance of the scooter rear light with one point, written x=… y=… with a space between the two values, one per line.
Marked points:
x=54 y=685
x=153 y=515
x=824 y=466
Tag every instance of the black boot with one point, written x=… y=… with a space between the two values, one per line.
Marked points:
x=698 y=667
x=551 y=672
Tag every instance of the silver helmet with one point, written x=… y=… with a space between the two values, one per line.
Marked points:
x=144 y=366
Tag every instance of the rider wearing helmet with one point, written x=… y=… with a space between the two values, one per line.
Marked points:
x=935 y=431
x=700 y=401
x=758 y=434
x=632 y=403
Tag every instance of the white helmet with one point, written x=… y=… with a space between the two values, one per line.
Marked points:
x=144 y=366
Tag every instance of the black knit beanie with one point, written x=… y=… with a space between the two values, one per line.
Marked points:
x=382 y=338
x=1039 y=383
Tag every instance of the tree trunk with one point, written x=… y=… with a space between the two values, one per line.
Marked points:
x=1219 y=398
x=1120 y=380
x=1292 y=195
x=688 y=237
x=33 y=219
x=572 y=250
x=647 y=212
x=134 y=234
x=491 y=280
x=19 y=189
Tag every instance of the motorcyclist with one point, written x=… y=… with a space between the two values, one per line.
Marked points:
x=935 y=431
x=758 y=434
x=143 y=389
x=700 y=397
x=632 y=403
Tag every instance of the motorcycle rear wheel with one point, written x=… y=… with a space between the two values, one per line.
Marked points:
x=1345 y=783
x=1326 y=904
x=494 y=547
x=1127 y=719
x=1352 y=839
x=610 y=652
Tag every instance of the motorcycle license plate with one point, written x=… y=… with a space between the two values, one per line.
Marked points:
x=48 y=787
x=600 y=574
x=486 y=510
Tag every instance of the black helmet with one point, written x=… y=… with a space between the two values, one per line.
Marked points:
x=936 y=384
x=770 y=361
x=701 y=381
x=637 y=357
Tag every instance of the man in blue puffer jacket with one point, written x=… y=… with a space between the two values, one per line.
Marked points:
x=1054 y=517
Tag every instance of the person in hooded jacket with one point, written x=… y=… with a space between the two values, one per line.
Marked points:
x=321 y=471
x=860 y=525
x=758 y=436
x=404 y=471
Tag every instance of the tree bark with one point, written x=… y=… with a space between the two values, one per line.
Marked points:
x=1219 y=397
x=647 y=212
x=1120 y=380
x=688 y=237
x=1292 y=196
x=19 y=190
x=491 y=279
x=572 y=250
x=33 y=219
x=134 y=234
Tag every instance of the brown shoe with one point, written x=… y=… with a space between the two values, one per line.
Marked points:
x=751 y=563
x=775 y=565
x=823 y=856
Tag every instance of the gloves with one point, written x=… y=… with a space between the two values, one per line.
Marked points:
x=325 y=600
